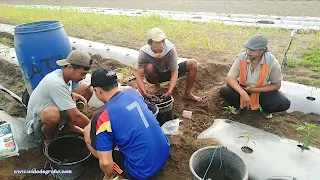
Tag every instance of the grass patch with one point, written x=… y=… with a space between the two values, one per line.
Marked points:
x=311 y=59
x=195 y=39
x=214 y=37
x=6 y=41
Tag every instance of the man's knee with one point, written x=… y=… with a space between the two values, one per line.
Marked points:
x=50 y=115
x=285 y=105
x=225 y=91
x=192 y=64
x=150 y=69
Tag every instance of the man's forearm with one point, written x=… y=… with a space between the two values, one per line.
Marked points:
x=82 y=121
x=235 y=85
x=268 y=88
x=173 y=80
x=140 y=82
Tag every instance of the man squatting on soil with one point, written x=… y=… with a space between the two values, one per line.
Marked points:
x=52 y=106
x=254 y=80
x=158 y=62
x=124 y=134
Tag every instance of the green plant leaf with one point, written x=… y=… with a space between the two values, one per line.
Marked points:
x=301 y=127
x=312 y=126
x=241 y=137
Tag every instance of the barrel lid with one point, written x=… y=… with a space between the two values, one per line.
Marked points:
x=37 y=27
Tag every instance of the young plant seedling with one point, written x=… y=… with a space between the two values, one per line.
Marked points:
x=230 y=109
x=247 y=135
x=309 y=128
x=312 y=84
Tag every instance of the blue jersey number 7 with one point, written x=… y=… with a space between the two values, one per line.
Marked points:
x=136 y=105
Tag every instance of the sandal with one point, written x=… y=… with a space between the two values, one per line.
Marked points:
x=236 y=111
x=264 y=114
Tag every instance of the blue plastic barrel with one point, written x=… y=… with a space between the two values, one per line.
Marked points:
x=38 y=46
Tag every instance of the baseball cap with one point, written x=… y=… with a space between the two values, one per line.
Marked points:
x=77 y=57
x=103 y=78
x=256 y=42
x=156 y=34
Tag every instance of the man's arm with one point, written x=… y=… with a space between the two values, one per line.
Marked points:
x=62 y=98
x=235 y=85
x=267 y=88
x=78 y=118
x=173 y=80
x=174 y=68
x=106 y=162
x=275 y=79
x=141 y=86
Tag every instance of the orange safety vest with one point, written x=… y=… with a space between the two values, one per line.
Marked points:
x=264 y=70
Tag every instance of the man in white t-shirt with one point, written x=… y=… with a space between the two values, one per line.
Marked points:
x=52 y=105
x=158 y=62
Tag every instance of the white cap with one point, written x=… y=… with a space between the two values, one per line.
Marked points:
x=156 y=34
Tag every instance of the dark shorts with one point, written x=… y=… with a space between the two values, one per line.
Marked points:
x=166 y=76
x=37 y=125
x=118 y=159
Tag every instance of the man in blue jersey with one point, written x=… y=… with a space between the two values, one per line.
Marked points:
x=125 y=122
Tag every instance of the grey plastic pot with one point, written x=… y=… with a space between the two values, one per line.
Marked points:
x=232 y=166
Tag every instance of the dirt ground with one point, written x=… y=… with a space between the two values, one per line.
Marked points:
x=210 y=77
x=267 y=7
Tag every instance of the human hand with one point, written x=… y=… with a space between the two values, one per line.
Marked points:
x=244 y=100
x=164 y=96
x=77 y=97
x=146 y=95
x=249 y=89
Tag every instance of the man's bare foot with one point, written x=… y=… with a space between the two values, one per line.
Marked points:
x=192 y=97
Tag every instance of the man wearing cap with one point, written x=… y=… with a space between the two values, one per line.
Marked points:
x=125 y=122
x=52 y=104
x=158 y=62
x=254 y=80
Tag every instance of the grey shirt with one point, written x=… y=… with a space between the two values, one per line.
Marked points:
x=51 y=91
x=166 y=63
x=274 y=75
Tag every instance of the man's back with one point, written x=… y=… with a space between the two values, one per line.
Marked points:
x=132 y=127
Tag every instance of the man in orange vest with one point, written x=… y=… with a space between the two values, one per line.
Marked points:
x=254 y=80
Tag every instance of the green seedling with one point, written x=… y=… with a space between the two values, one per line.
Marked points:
x=309 y=128
x=312 y=84
x=247 y=135
x=230 y=109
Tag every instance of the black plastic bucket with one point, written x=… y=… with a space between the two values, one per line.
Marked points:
x=165 y=109
x=67 y=153
x=153 y=108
